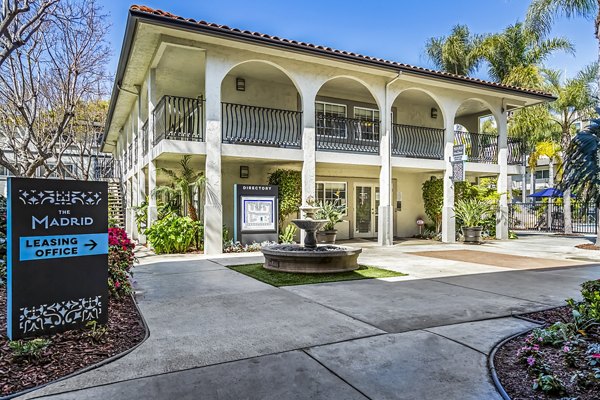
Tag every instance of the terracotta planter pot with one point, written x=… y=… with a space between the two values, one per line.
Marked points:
x=327 y=237
x=472 y=234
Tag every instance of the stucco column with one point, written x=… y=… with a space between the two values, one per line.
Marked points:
x=448 y=222
x=502 y=186
x=213 y=206
x=385 y=234
x=309 y=142
x=152 y=94
x=134 y=203
x=141 y=198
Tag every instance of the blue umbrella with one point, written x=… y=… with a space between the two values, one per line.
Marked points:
x=548 y=192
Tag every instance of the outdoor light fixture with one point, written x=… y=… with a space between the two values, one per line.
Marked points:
x=244 y=171
x=240 y=84
x=434 y=112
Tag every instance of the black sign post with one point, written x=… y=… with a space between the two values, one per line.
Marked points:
x=256 y=213
x=57 y=261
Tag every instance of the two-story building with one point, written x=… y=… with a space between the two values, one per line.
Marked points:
x=364 y=129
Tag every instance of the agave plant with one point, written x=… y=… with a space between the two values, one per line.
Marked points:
x=332 y=211
x=581 y=167
x=473 y=212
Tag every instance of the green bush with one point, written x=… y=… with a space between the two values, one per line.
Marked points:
x=28 y=349
x=589 y=308
x=120 y=262
x=288 y=234
x=473 y=212
x=290 y=192
x=174 y=234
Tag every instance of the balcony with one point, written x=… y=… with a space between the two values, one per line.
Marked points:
x=516 y=151
x=130 y=156
x=479 y=147
x=417 y=142
x=347 y=134
x=178 y=118
x=260 y=126
x=144 y=134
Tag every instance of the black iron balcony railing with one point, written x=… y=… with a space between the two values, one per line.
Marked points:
x=135 y=150
x=261 y=126
x=144 y=133
x=178 y=118
x=347 y=134
x=516 y=151
x=130 y=156
x=124 y=159
x=479 y=147
x=417 y=141
x=106 y=168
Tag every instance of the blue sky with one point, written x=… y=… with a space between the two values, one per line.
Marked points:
x=395 y=30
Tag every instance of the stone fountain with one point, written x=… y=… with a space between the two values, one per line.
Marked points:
x=310 y=258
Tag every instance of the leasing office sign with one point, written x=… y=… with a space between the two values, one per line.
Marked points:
x=57 y=261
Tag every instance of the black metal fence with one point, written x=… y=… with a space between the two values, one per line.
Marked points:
x=549 y=217
x=347 y=134
x=178 y=118
x=516 y=151
x=261 y=126
x=106 y=168
x=417 y=141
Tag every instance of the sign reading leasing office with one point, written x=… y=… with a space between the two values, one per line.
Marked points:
x=57 y=258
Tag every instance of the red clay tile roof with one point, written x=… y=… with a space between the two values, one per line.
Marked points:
x=328 y=50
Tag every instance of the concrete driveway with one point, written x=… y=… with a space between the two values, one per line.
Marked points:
x=217 y=334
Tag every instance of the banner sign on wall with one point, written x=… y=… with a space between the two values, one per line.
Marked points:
x=256 y=213
x=57 y=255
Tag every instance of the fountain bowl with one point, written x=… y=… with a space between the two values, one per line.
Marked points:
x=320 y=260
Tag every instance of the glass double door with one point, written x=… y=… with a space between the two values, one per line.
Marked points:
x=366 y=205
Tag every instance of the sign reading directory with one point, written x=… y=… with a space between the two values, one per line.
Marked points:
x=57 y=261
x=255 y=213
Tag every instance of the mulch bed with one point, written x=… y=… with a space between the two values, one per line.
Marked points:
x=588 y=246
x=516 y=380
x=68 y=351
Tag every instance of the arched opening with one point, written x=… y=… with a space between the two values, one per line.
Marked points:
x=475 y=127
x=260 y=106
x=347 y=117
x=417 y=126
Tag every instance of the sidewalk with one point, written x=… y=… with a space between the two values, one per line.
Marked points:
x=215 y=333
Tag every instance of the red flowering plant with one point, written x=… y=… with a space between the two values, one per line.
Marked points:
x=120 y=262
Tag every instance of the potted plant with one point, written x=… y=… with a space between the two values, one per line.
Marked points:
x=331 y=211
x=472 y=214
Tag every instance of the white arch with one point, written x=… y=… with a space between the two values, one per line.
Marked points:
x=354 y=78
x=435 y=98
x=491 y=109
x=271 y=63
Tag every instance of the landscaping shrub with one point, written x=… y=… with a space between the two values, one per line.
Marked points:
x=120 y=262
x=174 y=234
x=28 y=350
x=290 y=192
x=237 y=247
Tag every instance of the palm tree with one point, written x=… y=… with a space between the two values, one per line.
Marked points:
x=581 y=167
x=183 y=184
x=542 y=13
x=515 y=55
x=575 y=101
x=456 y=53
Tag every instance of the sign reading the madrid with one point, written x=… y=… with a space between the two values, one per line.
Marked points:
x=57 y=261
x=256 y=213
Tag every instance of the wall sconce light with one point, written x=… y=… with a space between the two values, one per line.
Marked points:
x=240 y=84
x=434 y=112
x=244 y=171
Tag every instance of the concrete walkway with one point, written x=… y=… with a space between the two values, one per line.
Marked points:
x=217 y=334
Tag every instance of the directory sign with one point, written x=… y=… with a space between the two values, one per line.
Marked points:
x=256 y=213
x=57 y=255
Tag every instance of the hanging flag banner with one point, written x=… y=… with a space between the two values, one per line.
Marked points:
x=57 y=255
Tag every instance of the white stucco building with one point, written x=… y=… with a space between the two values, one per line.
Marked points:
x=372 y=129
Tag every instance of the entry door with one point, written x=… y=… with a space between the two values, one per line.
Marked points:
x=366 y=205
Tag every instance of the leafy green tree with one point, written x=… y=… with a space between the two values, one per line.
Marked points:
x=457 y=53
x=576 y=98
x=581 y=167
x=183 y=184
x=515 y=54
x=542 y=13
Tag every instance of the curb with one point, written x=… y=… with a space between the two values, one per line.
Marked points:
x=497 y=346
x=93 y=366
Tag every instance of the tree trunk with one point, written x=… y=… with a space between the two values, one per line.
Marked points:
x=532 y=181
x=524 y=187
x=568 y=228
x=597 y=228
x=550 y=199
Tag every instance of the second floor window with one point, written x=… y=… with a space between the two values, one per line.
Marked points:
x=367 y=124
x=331 y=119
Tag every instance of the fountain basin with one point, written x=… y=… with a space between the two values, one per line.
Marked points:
x=319 y=260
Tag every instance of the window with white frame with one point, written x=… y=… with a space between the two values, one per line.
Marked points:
x=331 y=119
x=333 y=191
x=369 y=123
